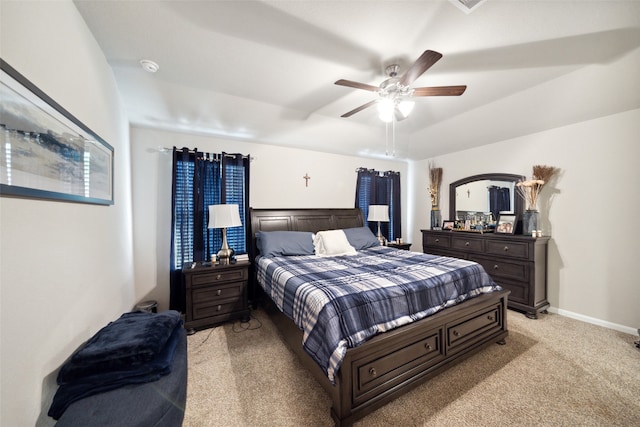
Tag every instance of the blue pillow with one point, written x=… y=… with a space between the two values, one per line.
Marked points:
x=284 y=243
x=361 y=238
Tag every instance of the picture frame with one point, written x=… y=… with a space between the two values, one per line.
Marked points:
x=506 y=224
x=47 y=153
x=448 y=225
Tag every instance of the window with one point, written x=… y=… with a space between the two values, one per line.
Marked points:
x=199 y=180
x=380 y=188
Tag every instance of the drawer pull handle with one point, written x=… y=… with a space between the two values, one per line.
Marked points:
x=219 y=292
x=437 y=240
x=219 y=276
x=456 y=333
x=372 y=372
x=490 y=317
x=427 y=346
x=219 y=308
x=495 y=267
x=466 y=243
x=506 y=248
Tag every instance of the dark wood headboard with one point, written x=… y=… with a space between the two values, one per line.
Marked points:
x=302 y=220
x=296 y=220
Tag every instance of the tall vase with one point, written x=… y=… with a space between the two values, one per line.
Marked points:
x=436 y=217
x=529 y=222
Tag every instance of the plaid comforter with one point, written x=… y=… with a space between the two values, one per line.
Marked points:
x=340 y=302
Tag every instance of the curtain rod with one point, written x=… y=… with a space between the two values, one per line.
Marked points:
x=165 y=150
x=373 y=170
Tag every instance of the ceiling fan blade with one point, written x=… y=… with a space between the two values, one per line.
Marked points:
x=360 y=108
x=422 y=64
x=440 y=91
x=349 y=83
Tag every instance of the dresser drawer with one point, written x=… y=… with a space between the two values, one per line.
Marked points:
x=519 y=291
x=507 y=249
x=475 y=245
x=437 y=241
x=498 y=268
x=462 y=334
x=238 y=274
x=378 y=373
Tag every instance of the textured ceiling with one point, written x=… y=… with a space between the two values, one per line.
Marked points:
x=264 y=71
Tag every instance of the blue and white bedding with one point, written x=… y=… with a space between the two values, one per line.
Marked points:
x=340 y=302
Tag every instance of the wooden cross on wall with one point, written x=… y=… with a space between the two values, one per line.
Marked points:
x=306 y=178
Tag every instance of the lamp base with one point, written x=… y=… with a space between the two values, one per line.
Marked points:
x=225 y=255
x=381 y=238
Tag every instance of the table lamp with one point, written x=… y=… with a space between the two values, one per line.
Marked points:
x=224 y=216
x=379 y=213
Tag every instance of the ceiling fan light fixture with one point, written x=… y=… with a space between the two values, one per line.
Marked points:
x=385 y=110
x=406 y=107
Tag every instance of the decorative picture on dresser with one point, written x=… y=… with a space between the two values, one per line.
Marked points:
x=506 y=224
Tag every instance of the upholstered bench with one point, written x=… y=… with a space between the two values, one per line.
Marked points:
x=98 y=391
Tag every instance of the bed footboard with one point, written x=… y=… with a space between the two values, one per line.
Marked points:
x=392 y=363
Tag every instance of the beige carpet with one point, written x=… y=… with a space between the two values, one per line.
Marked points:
x=554 y=371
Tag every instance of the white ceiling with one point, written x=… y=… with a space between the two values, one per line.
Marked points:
x=264 y=71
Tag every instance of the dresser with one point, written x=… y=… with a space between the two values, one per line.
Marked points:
x=215 y=293
x=515 y=262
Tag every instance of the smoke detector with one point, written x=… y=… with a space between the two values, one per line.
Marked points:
x=149 y=65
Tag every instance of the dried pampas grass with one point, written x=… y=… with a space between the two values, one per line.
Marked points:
x=435 y=179
x=530 y=189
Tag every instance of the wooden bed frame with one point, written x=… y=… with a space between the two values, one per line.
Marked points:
x=394 y=362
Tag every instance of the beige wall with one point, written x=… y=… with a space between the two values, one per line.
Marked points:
x=66 y=269
x=588 y=211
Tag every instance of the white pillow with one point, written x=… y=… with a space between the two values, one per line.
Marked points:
x=332 y=243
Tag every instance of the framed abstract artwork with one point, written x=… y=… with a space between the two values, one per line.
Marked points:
x=45 y=152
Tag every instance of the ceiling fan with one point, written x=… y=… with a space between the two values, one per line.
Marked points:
x=395 y=93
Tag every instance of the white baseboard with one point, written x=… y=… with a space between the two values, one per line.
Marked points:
x=616 y=327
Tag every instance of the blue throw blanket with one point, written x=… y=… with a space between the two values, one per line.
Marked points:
x=137 y=348
x=340 y=302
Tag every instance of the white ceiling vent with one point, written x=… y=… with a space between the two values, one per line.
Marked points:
x=467 y=6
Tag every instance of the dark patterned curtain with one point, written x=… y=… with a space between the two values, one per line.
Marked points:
x=499 y=200
x=380 y=188
x=199 y=180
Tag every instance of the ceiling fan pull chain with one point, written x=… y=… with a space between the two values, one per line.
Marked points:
x=386 y=138
x=393 y=127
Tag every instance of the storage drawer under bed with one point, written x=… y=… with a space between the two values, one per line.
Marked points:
x=375 y=373
x=473 y=328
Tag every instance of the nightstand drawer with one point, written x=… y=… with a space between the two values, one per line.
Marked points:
x=238 y=274
x=218 y=293
x=210 y=309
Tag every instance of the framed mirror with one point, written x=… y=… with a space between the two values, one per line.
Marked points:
x=482 y=198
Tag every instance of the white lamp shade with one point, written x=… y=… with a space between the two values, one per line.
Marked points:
x=378 y=213
x=405 y=108
x=223 y=216
x=385 y=110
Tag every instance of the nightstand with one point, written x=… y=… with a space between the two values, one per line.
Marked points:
x=404 y=246
x=215 y=293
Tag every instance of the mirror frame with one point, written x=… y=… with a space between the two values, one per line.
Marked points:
x=517 y=200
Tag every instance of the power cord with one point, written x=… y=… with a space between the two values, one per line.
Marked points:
x=252 y=324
